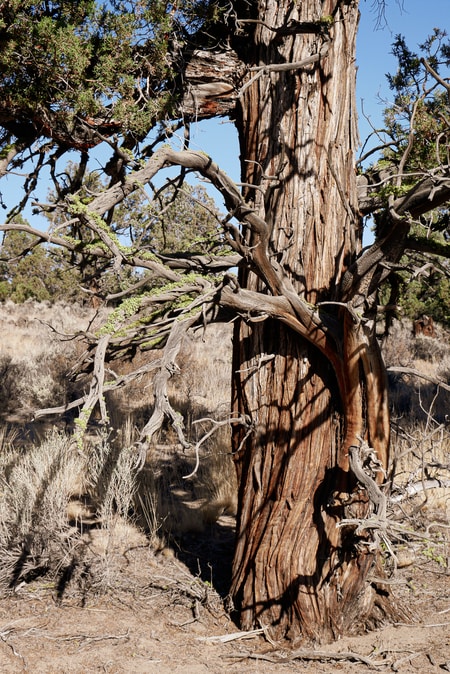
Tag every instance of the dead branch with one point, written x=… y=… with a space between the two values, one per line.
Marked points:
x=363 y=459
x=206 y=262
x=216 y=425
x=119 y=382
x=96 y=392
x=128 y=258
x=283 y=67
x=416 y=373
x=162 y=407
x=101 y=232
x=291 y=28
x=418 y=487
x=360 y=459
x=87 y=638
x=234 y=636
x=411 y=138
x=431 y=192
x=436 y=76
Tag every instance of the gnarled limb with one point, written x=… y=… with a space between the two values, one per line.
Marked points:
x=162 y=407
x=95 y=394
x=119 y=382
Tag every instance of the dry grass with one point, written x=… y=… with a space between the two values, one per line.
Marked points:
x=420 y=445
x=61 y=510
x=36 y=353
x=94 y=499
x=55 y=502
x=37 y=485
x=412 y=398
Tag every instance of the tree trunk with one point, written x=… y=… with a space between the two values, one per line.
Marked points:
x=294 y=570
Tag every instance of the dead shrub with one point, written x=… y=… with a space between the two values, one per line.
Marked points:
x=420 y=464
x=9 y=384
x=398 y=346
x=429 y=349
x=410 y=395
x=34 y=357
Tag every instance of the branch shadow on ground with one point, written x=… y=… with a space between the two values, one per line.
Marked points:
x=198 y=526
x=208 y=555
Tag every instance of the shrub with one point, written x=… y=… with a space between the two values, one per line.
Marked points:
x=9 y=384
x=35 y=535
x=43 y=486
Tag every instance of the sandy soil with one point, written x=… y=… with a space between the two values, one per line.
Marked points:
x=159 y=615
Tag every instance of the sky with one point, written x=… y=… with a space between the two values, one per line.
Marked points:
x=414 y=19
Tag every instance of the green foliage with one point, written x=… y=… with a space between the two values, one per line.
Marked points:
x=109 y=64
x=42 y=273
x=181 y=220
x=418 y=123
x=418 y=105
x=428 y=294
x=87 y=59
x=67 y=71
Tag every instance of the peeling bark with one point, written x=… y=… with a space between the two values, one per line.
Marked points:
x=213 y=80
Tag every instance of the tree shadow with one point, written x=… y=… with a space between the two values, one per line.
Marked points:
x=417 y=401
x=209 y=554
x=200 y=529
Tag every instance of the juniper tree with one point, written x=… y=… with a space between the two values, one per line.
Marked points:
x=309 y=386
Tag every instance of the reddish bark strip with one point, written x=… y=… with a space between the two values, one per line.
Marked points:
x=295 y=572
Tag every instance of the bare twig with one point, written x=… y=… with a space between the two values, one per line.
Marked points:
x=318 y=656
x=216 y=425
x=234 y=636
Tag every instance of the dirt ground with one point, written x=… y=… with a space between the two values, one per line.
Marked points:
x=161 y=614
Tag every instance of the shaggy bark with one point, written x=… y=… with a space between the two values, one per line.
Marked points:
x=295 y=571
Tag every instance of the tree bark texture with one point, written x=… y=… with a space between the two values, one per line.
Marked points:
x=295 y=572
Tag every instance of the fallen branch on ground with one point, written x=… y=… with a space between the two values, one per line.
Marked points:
x=311 y=655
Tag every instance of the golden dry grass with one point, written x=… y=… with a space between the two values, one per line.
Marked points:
x=89 y=498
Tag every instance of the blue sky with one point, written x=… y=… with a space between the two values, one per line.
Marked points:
x=415 y=20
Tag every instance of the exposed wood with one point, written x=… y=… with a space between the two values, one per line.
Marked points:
x=212 y=81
